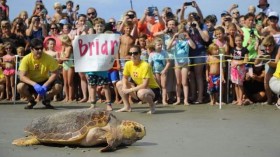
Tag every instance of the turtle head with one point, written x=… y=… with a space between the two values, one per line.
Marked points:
x=132 y=131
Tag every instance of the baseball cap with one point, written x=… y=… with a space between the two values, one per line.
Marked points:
x=273 y=14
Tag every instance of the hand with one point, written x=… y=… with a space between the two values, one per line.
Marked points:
x=126 y=91
x=45 y=89
x=38 y=88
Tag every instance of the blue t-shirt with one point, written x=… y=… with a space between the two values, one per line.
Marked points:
x=182 y=52
x=158 y=60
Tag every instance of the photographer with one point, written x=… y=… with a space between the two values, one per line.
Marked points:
x=251 y=36
x=199 y=34
x=148 y=25
x=270 y=54
x=37 y=28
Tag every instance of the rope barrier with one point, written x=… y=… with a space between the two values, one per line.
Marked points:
x=221 y=56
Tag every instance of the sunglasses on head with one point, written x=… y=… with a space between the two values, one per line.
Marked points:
x=133 y=53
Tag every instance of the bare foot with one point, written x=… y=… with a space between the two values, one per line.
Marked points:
x=176 y=103
x=186 y=104
x=120 y=102
x=109 y=107
x=151 y=111
x=164 y=103
x=83 y=100
x=124 y=110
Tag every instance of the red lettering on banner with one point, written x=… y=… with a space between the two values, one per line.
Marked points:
x=82 y=47
x=104 y=48
x=97 y=46
x=91 y=44
x=113 y=43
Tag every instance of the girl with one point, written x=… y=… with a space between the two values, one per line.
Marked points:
x=141 y=41
x=50 y=47
x=238 y=71
x=181 y=41
x=160 y=63
x=221 y=40
x=68 y=68
x=9 y=70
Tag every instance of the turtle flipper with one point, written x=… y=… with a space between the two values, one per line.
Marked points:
x=108 y=148
x=26 y=141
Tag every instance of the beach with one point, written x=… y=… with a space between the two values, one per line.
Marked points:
x=194 y=131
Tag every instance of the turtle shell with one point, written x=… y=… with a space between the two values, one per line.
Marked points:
x=67 y=127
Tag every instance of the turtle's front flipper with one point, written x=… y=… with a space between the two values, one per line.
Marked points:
x=26 y=141
x=108 y=148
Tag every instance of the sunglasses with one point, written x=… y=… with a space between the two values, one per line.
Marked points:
x=38 y=48
x=93 y=13
x=133 y=53
x=53 y=28
x=8 y=48
x=236 y=13
x=38 y=8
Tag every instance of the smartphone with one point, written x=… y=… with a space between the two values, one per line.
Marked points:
x=151 y=11
x=77 y=7
x=188 y=3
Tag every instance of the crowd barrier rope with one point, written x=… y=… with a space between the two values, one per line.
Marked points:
x=221 y=61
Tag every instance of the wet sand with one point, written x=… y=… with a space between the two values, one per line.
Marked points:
x=193 y=131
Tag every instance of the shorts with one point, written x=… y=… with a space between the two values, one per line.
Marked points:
x=98 y=78
x=113 y=76
x=157 y=94
x=213 y=84
x=9 y=72
x=274 y=84
x=198 y=60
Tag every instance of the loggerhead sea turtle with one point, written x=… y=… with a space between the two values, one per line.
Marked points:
x=84 y=127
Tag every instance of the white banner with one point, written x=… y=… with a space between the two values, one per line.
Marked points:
x=95 y=52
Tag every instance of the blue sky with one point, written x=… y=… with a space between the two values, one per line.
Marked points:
x=115 y=8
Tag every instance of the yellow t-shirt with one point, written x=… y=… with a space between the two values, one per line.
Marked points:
x=277 y=71
x=1 y=74
x=139 y=72
x=38 y=70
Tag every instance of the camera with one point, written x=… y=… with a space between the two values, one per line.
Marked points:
x=77 y=7
x=251 y=33
x=169 y=30
x=169 y=15
x=188 y=3
x=181 y=36
x=131 y=16
x=193 y=25
x=151 y=11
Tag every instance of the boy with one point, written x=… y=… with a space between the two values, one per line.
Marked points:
x=213 y=73
x=99 y=78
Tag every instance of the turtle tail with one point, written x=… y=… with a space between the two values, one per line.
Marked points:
x=26 y=141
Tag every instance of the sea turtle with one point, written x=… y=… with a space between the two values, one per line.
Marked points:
x=82 y=127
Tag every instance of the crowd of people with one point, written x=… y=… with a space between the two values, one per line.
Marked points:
x=164 y=56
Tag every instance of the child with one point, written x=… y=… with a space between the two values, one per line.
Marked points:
x=68 y=68
x=126 y=42
x=50 y=47
x=141 y=41
x=58 y=15
x=9 y=70
x=182 y=41
x=213 y=73
x=96 y=78
x=238 y=71
x=221 y=40
x=160 y=62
